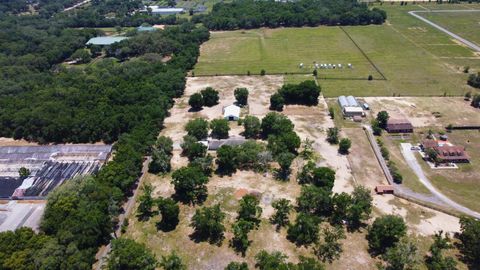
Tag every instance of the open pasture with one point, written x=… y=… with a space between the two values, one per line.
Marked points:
x=464 y=24
x=280 y=51
x=416 y=59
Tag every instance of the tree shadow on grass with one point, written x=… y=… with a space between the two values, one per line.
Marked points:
x=166 y=227
x=198 y=237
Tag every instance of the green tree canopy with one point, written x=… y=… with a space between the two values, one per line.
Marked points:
x=382 y=118
x=189 y=183
x=385 y=232
x=250 y=209
x=252 y=127
x=197 y=128
x=344 y=146
x=277 y=102
x=241 y=95
x=219 y=128
x=129 y=255
x=169 y=211
x=172 y=262
x=196 y=101
x=210 y=96
x=207 y=222
x=282 y=210
x=304 y=231
x=226 y=159
x=470 y=240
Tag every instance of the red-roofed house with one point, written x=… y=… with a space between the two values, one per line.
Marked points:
x=447 y=152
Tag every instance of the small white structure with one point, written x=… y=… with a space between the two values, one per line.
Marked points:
x=301 y=65
x=352 y=111
x=231 y=113
x=349 y=65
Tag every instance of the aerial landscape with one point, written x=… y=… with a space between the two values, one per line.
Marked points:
x=239 y=134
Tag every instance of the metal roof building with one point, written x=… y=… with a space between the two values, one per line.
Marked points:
x=231 y=113
x=158 y=10
x=146 y=28
x=350 y=111
x=342 y=100
x=104 y=41
x=352 y=102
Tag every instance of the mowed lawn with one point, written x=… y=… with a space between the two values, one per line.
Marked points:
x=461 y=184
x=280 y=51
x=464 y=24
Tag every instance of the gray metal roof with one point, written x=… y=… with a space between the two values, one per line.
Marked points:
x=342 y=100
x=352 y=102
x=102 y=41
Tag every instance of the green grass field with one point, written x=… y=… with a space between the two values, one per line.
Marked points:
x=280 y=51
x=416 y=59
x=464 y=24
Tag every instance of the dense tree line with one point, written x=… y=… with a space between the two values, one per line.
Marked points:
x=248 y=14
x=124 y=95
x=111 y=101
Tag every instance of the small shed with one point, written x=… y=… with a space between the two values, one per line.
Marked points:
x=352 y=111
x=384 y=189
x=231 y=113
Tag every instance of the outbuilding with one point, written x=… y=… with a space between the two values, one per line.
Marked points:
x=231 y=113
x=399 y=125
x=105 y=41
x=384 y=189
x=352 y=111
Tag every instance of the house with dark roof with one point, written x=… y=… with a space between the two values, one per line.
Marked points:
x=399 y=125
x=214 y=144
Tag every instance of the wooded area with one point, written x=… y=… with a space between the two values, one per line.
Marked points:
x=248 y=14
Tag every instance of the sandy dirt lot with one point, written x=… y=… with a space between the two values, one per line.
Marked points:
x=427 y=111
x=359 y=167
x=367 y=172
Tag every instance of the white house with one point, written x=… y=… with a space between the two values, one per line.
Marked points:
x=231 y=113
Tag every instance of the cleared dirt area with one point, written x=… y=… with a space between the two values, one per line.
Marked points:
x=359 y=167
x=427 y=111
x=367 y=172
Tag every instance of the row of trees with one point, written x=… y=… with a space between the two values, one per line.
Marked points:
x=333 y=137
x=209 y=97
x=247 y=14
x=304 y=93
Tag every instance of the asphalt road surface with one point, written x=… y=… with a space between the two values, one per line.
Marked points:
x=417 y=169
x=470 y=44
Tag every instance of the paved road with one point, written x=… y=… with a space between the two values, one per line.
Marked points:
x=417 y=169
x=470 y=44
